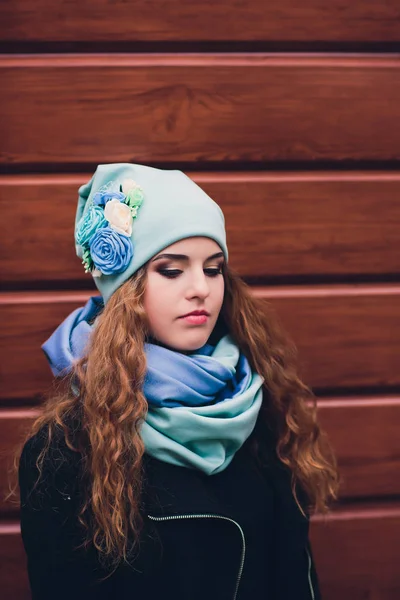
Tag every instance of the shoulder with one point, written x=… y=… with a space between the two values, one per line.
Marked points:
x=58 y=453
x=48 y=467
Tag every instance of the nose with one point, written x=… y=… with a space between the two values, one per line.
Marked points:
x=198 y=286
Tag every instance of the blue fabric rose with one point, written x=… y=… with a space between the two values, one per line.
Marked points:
x=111 y=252
x=89 y=223
x=101 y=198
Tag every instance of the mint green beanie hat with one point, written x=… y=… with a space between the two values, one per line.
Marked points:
x=127 y=213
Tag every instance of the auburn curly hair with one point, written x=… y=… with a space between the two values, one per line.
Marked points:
x=105 y=389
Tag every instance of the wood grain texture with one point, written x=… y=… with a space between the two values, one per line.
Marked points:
x=155 y=20
x=356 y=554
x=346 y=335
x=207 y=108
x=364 y=434
x=299 y=224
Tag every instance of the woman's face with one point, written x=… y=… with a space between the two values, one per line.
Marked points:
x=182 y=278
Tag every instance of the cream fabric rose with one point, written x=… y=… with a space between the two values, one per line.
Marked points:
x=129 y=184
x=119 y=217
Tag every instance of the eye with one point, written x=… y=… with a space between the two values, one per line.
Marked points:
x=213 y=272
x=170 y=273
x=173 y=273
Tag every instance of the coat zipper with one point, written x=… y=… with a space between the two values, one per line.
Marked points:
x=243 y=555
x=309 y=576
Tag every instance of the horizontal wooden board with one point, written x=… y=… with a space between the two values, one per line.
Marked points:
x=278 y=224
x=356 y=554
x=365 y=436
x=346 y=335
x=207 y=108
x=363 y=432
x=14 y=584
x=14 y=427
x=155 y=20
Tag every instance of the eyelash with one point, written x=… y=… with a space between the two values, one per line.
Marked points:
x=173 y=273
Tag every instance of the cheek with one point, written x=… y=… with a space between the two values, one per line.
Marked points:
x=219 y=292
x=155 y=311
x=157 y=297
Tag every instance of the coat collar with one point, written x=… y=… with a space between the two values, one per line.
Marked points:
x=171 y=490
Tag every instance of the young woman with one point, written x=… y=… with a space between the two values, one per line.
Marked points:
x=182 y=459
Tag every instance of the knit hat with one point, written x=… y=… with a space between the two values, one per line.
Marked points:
x=127 y=213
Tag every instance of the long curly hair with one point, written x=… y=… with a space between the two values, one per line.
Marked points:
x=105 y=388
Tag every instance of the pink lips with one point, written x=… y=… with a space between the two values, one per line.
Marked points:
x=195 y=319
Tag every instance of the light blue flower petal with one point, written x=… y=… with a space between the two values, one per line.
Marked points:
x=88 y=225
x=110 y=251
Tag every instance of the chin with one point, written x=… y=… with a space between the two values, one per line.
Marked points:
x=190 y=344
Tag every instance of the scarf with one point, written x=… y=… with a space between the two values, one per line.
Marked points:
x=202 y=406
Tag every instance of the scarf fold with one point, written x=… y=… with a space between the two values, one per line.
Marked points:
x=202 y=406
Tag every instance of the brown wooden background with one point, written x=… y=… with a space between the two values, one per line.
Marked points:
x=286 y=113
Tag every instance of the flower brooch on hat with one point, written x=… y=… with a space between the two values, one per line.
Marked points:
x=105 y=230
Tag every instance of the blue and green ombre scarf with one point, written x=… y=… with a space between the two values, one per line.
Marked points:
x=202 y=406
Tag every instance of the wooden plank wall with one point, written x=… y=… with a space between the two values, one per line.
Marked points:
x=287 y=114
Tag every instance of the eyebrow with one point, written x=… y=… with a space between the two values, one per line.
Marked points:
x=184 y=257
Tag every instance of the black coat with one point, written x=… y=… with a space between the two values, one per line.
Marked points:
x=238 y=534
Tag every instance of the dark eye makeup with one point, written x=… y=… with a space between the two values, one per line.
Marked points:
x=173 y=273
